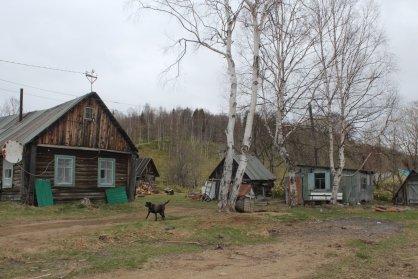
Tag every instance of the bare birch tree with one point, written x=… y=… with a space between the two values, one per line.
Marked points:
x=287 y=74
x=408 y=133
x=9 y=107
x=353 y=69
x=258 y=11
x=210 y=24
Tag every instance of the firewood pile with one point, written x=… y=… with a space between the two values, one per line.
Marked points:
x=143 y=189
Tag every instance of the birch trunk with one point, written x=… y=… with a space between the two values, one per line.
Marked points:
x=228 y=163
x=246 y=142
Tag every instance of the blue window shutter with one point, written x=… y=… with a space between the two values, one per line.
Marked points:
x=327 y=181
x=311 y=181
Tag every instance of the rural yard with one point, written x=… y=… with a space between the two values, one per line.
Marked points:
x=195 y=241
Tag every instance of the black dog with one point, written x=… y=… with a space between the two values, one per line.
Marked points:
x=156 y=208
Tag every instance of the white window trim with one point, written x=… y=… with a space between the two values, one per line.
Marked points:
x=63 y=184
x=112 y=183
x=7 y=183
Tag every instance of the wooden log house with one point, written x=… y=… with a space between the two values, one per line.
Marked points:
x=78 y=145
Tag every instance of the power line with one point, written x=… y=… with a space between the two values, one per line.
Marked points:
x=41 y=67
x=51 y=91
x=38 y=88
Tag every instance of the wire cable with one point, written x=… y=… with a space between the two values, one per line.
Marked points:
x=38 y=88
x=41 y=67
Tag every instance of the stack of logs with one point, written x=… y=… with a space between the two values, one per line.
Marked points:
x=144 y=188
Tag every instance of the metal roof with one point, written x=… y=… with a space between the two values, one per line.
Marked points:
x=255 y=170
x=142 y=164
x=35 y=122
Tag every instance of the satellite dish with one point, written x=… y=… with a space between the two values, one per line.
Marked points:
x=12 y=151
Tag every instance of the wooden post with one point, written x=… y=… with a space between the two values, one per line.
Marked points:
x=132 y=178
x=21 y=105
x=32 y=170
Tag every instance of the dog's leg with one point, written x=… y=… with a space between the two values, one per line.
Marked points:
x=155 y=216
x=147 y=215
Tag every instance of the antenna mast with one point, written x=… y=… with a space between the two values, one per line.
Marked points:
x=92 y=77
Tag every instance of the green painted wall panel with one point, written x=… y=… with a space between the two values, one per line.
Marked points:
x=116 y=195
x=43 y=192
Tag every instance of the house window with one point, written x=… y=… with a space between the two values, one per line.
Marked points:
x=363 y=182
x=106 y=172
x=88 y=113
x=64 y=172
x=320 y=181
x=7 y=174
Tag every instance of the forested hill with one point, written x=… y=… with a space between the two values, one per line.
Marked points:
x=186 y=144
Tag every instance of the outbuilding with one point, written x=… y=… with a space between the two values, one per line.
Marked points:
x=256 y=174
x=316 y=184
x=407 y=194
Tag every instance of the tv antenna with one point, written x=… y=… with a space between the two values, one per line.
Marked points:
x=92 y=77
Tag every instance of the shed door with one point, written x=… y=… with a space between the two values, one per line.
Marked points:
x=413 y=193
x=7 y=174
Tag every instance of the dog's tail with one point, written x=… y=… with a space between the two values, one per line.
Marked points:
x=166 y=202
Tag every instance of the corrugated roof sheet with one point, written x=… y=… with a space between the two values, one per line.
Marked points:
x=142 y=164
x=255 y=170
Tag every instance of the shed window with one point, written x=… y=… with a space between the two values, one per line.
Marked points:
x=64 y=172
x=7 y=174
x=106 y=172
x=88 y=113
x=320 y=181
x=363 y=182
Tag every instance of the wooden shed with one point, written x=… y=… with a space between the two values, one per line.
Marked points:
x=78 y=146
x=407 y=194
x=146 y=171
x=316 y=184
x=256 y=174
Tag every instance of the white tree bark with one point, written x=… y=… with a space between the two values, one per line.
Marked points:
x=210 y=24
x=228 y=163
x=258 y=12
x=353 y=69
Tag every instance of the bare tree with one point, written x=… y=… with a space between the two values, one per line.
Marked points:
x=353 y=67
x=208 y=24
x=258 y=11
x=9 y=107
x=408 y=133
x=287 y=74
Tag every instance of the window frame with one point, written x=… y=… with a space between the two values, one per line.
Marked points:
x=64 y=184
x=89 y=113
x=323 y=179
x=364 y=182
x=113 y=172
x=7 y=183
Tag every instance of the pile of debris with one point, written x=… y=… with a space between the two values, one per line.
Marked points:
x=388 y=209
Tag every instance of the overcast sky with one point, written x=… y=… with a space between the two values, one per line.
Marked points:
x=129 y=53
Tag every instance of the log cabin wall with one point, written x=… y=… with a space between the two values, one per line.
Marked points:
x=73 y=129
x=86 y=172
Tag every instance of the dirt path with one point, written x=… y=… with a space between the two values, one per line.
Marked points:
x=300 y=251
x=31 y=236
